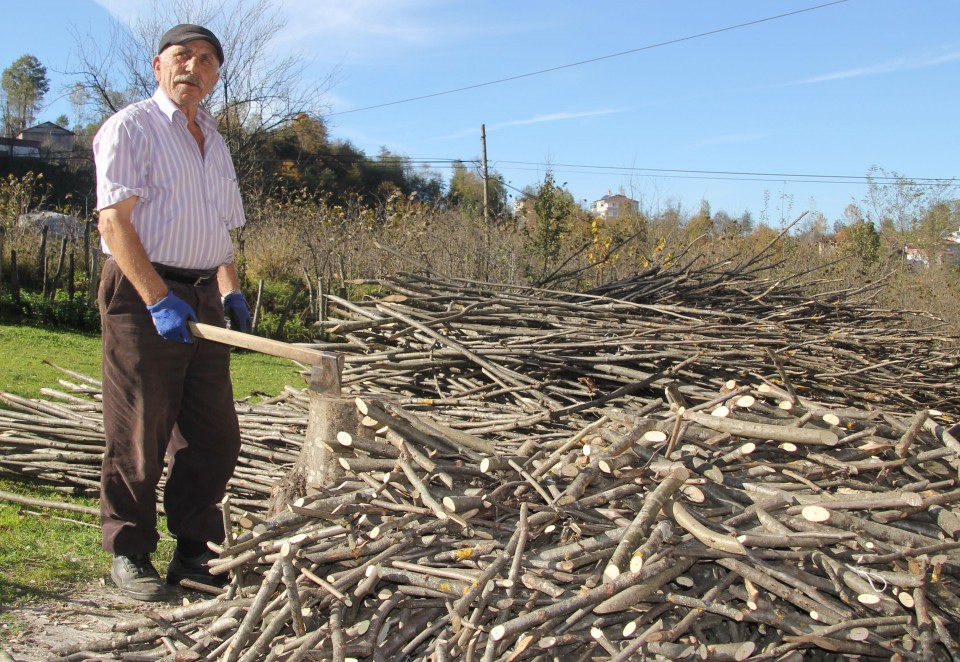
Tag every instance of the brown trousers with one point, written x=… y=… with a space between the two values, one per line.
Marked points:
x=163 y=398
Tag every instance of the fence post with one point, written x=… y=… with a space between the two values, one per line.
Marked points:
x=14 y=278
x=71 y=285
x=55 y=281
x=92 y=277
x=256 y=307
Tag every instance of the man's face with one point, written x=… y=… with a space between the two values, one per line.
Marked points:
x=187 y=72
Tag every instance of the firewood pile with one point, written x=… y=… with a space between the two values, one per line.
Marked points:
x=544 y=475
x=59 y=440
x=563 y=352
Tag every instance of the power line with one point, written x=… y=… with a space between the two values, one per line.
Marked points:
x=669 y=42
x=730 y=174
x=443 y=163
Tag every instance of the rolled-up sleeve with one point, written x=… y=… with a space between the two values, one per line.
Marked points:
x=231 y=204
x=121 y=155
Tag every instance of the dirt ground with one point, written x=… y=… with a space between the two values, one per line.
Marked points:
x=85 y=615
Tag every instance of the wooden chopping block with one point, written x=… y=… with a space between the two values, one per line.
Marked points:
x=329 y=412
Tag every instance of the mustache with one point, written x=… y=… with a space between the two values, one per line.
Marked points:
x=188 y=78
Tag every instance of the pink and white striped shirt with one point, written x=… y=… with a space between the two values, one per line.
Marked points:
x=186 y=204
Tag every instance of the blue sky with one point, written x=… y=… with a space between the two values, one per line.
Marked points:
x=673 y=102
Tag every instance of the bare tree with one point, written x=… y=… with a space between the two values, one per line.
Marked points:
x=260 y=88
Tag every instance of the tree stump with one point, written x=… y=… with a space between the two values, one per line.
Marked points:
x=317 y=465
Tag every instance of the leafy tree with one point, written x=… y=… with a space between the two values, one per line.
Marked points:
x=862 y=241
x=725 y=225
x=609 y=238
x=466 y=192
x=817 y=224
x=300 y=156
x=427 y=185
x=398 y=170
x=310 y=133
x=700 y=224
x=940 y=219
x=553 y=207
x=296 y=148
x=851 y=215
x=24 y=84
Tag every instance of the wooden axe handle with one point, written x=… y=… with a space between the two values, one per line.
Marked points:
x=305 y=355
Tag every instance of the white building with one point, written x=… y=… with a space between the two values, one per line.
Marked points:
x=615 y=206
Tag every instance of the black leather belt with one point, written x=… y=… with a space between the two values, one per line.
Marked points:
x=194 y=277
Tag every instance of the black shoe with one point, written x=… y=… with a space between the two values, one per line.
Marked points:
x=194 y=568
x=136 y=577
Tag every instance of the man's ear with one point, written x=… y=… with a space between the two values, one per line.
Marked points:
x=156 y=67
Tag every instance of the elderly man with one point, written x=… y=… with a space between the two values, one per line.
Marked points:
x=168 y=197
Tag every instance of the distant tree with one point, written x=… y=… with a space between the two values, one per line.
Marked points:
x=609 y=240
x=553 y=207
x=861 y=240
x=700 y=224
x=310 y=132
x=727 y=226
x=79 y=100
x=62 y=120
x=24 y=84
x=398 y=169
x=296 y=149
x=851 y=215
x=427 y=185
x=815 y=226
x=940 y=219
x=466 y=191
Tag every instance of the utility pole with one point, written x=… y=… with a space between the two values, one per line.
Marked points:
x=486 y=199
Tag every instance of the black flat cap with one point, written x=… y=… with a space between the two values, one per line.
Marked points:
x=181 y=34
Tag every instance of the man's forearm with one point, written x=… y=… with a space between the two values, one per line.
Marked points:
x=227 y=278
x=128 y=251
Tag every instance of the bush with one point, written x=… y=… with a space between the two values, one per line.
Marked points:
x=279 y=304
x=35 y=309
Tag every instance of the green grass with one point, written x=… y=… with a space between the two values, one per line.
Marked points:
x=256 y=375
x=25 y=350
x=45 y=553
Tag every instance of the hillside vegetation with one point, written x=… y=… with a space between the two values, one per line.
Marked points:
x=300 y=245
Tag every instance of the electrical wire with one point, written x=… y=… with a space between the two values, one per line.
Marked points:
x=600 y=58
x=808 y=178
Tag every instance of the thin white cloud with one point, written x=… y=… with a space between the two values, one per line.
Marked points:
x=556 y=117
x=357 y=27
x=900 y=64
x=536 y=119
x=362 y=31
x=124 y=10
x=395 y=21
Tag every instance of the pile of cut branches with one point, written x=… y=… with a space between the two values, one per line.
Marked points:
x=549 y=475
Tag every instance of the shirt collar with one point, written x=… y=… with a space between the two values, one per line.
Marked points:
x=166 y=105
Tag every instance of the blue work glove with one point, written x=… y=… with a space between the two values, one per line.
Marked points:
x=170 y=315
x=236 y=312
